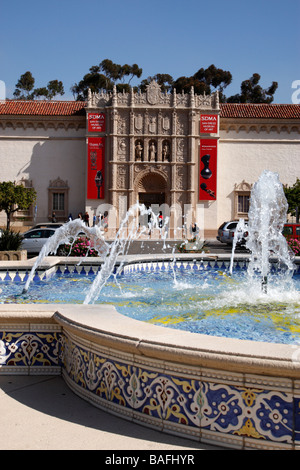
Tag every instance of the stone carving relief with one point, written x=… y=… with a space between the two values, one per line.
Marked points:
x=203 y=101
x=181 y=150
x=152 y=125
x=153 y=97
x=123 y=98
x=243 y=186
x=98 y=100
x=121 y=177
x=58 y=183
x=181 y=124
x=180 y=182
x=153 y=93
x=138 y=123
x=122 y=149
x=140 y=98
x=123 y=123
x=182 y=100
x=166 y=124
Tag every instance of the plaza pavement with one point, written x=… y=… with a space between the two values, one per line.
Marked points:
x=42 y=413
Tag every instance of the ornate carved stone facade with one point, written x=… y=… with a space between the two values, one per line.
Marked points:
x=152 y=144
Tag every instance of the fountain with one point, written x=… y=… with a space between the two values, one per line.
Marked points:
x=267 y=216
x=215 y=300
x=236 y=392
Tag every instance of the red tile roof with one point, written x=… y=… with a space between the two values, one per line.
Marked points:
x=76 y=108
x=42 y=108
x=260 y=111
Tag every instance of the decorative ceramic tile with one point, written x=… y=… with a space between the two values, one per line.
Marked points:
x=161 y=396
x=40 y=349
x=167 y=265
x=247 y=412
x=224 y=408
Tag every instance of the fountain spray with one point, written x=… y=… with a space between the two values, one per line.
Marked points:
x=267 y=216
x=129 y=230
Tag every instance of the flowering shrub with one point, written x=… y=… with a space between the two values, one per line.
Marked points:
x=294 y=244
x=81 y=247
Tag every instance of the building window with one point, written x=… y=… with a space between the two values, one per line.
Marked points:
x=58 y=199
x=243 y=203
x=241 y=200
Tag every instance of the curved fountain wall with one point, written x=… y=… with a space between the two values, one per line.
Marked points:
x=235 y=393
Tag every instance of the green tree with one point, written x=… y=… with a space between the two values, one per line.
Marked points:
x=53 y=88
x=105 y=76
x=14 y=197
x=252 y=92
x=94 y=81
x=292 y=194
x=117 y=72
x=184 y=84
x=214 y=77
x=205 y=81
x=24 y=87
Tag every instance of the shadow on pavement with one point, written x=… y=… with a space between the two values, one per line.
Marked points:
x=43 y=413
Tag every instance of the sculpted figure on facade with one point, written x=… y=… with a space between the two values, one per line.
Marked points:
x=138 y=151
x=166 y=152
x=152 y=152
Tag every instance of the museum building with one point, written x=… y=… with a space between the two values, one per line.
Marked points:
x=187 y=155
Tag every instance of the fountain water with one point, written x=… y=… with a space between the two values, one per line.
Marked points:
x=66 y=234
x=239 y=232
x=129 y=230
x=212 y=296
x=267 y=216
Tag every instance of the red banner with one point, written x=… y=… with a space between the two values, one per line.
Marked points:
x=96 y=122
x=208 y=170
x=95 y=169
x=208 y=124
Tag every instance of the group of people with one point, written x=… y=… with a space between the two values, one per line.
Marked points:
x=160 y=220
x=101 y=219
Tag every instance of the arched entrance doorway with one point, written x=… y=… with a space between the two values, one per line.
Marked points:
x=151 y=189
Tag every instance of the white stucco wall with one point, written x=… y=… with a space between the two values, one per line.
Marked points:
x=41 y=156
x=245 y=155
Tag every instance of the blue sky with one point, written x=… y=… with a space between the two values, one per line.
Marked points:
x=62 y=39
